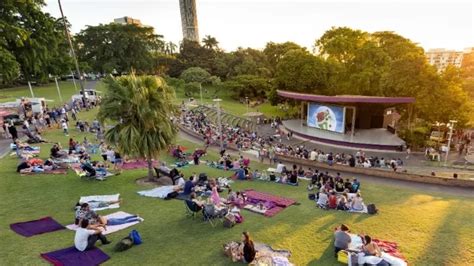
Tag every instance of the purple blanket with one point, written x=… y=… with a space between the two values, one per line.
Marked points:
x=73 y=257
x=36 y=227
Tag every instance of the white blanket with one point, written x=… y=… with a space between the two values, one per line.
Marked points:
x=159 y=192
x=111 y=228
x=106 y=198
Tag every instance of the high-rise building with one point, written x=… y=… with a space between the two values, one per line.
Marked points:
x=441 y=58
x=128 y=20
x=189 y=22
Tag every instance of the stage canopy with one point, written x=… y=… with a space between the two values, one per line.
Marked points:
x=344 y=98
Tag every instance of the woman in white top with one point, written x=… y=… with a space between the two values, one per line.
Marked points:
x=322 y=199
x=357 y=204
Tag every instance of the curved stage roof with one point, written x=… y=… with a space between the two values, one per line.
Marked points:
x=345 y=98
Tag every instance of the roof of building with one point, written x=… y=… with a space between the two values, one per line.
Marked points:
x=344 y=98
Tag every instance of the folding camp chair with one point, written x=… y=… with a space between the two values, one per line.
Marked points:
x=212 y=215
x=191 y=208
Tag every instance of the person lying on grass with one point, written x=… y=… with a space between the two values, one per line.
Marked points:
x=85 y=237
x=101 y=222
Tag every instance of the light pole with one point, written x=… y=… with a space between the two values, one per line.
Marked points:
x=247 y=102
x=219 y=125
x=200 y=91
x=66 y=31
x=451 y=126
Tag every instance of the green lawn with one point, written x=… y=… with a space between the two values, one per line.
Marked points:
x=48 y=91
x=230 y=105
x=431 y=228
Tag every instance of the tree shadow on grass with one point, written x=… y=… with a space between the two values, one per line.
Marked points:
x=327 y=258
x=446 y=246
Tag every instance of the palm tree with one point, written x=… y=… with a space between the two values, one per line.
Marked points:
x=210 y=42
x=140 y=108
x=171 y=48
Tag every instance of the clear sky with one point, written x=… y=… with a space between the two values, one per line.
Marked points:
x=247 y=23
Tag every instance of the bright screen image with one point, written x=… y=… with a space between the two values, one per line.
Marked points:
x=326 y=117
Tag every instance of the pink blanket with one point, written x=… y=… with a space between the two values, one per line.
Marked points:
x=279 y=203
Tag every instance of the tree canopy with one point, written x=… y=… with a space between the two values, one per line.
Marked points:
x=32 y=42
x=139 y=108
x=121 y=48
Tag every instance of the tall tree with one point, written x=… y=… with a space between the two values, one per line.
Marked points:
x=139 y=107
x=341 y=43
x=31 y=41
x=467 y=73
x=274 y=52
x=118 y=47
x=301 y=71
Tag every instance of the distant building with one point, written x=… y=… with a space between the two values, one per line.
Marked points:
x=189 y=22
x=441 y=58
x=128 y=20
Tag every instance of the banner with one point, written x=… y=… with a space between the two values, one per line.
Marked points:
x=326 y=117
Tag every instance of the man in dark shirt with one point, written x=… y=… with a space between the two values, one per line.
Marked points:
x=188 y=186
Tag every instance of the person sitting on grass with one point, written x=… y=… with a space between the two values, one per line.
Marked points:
x=88 y=168
x=85 y=238
x=322 y=199
x=342 y=239
x=293 y=178
x=56 y=151
x=371 y=248
x=343 y=203
x=332 y=200
x=357 y=204
x=355 y=186
x=189 y=186
x=339 y=186
x=247 y=248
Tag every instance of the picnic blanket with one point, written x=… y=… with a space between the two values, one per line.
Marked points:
x=158 y=192
x=266 y=255
x=273 y=204
x=101 y=198
x=390 y=252
x=36 y=227
x=69 y=159
x=73 y=257
x=138 y=164
x=111 y=228
x=60 y=171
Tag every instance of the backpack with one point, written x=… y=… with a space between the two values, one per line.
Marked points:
x=135 y=236
x=124 y=244
x=311 y=196
x=371 y=209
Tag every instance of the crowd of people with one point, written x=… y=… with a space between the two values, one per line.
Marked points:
x=268 y=147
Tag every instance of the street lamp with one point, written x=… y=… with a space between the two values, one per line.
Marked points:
x=218 y=106
x=247 y=102
x=66 y=31
x=451 y=126
x=200 y=91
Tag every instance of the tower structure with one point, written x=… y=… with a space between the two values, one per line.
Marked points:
x=189 y=22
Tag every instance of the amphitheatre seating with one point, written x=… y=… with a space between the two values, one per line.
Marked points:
x=227 y=118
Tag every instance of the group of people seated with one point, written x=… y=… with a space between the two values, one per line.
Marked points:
x=91 y=225
x=343 y=202
x=213 y=204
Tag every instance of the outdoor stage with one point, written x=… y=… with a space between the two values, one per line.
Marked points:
x=374 y=139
